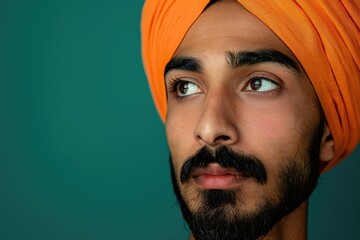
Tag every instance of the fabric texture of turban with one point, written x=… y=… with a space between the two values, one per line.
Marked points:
x=323 y=35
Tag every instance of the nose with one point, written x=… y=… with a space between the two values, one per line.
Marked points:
x=217 y=122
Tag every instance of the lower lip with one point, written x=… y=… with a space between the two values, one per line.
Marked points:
x=225 y=181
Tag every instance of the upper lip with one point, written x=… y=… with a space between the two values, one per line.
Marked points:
x=215 y=169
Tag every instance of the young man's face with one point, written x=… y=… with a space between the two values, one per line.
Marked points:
x=243 y=123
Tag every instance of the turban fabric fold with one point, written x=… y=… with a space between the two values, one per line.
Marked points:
x=323 y=35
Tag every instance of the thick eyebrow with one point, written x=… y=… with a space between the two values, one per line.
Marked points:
x=241 y=58
x=183 y=63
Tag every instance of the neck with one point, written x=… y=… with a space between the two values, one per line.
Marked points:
x=291 y=227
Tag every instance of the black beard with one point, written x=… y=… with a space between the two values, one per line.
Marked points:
x=218 y=218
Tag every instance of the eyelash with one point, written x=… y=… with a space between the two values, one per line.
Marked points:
x=172 y=84
x=172 y=87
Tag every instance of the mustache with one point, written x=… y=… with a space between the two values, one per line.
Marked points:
x=226 y=158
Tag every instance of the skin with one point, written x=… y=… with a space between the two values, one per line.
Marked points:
x=219 y=105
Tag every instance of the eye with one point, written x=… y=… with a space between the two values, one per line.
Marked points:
x=260 y=84
x=185 y=88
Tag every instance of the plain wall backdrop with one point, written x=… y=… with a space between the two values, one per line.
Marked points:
x=83 y=153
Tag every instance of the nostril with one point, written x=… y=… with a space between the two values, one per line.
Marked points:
x=214 y=140
x=222 y=138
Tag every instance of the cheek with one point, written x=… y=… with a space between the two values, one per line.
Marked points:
x=280 y=130
x=179 y=133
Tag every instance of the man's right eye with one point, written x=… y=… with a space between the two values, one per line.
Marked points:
x=185 y=88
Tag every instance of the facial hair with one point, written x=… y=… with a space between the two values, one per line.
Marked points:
x=217 y=218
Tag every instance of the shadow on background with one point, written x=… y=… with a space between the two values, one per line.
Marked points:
x=82 y=151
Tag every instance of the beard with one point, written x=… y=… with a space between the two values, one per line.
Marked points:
x=218 y=216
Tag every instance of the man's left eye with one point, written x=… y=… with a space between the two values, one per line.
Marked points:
x=260 y=84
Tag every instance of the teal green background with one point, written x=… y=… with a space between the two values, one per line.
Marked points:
x=82 y=151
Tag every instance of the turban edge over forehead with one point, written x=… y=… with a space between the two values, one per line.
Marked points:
x=323 y=35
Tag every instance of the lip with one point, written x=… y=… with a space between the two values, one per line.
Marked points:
x=213 y=176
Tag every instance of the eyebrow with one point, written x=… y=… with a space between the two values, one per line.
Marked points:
x=242 y=58
x=183 y=63
x=234 y=60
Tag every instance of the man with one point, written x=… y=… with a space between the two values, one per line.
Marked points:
x=258 y=98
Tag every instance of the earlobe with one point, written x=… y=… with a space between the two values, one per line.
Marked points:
x=327 y=145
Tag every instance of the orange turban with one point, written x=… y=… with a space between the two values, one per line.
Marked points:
x=323 y=35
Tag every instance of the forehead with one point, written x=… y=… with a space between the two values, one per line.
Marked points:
x=226 y=26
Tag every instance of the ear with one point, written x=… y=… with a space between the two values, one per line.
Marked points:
x=327 y=145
